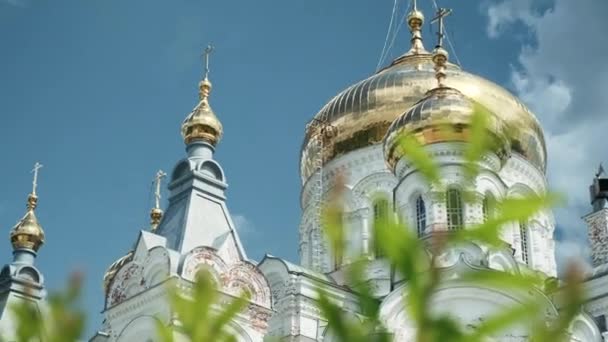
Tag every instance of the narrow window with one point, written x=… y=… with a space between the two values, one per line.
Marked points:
x=311 y=244
x=524 y=243
x=454 y=209
x=487 y=207
x=337 y=258
x=420 y=216
x=601 y=323
x=381 y=212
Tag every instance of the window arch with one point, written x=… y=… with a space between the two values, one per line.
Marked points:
x=488 y=206
x=524 y=243
x=454 y=209
x=381 y=208
x=420 y=216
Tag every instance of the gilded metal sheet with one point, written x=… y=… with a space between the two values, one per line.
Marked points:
x=375 y=102
x=443 y=115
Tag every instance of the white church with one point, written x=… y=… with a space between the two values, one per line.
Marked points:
x=353 y=136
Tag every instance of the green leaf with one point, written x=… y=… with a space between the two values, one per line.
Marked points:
x=508 y=210
x=419 y=157
x=479 y=143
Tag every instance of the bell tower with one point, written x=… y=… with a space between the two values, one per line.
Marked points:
x=597 y=220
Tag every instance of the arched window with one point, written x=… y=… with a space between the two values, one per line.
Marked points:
x=381 y=212
x=420 y=216
x=454 y=209
x=311 y=247
x=487 y=206
x=524 y=243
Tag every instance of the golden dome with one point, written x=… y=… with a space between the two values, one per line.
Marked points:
x=428 y=119
x=156 y=214
x=27 y=233
x=361 y=114
x=202 y=124
x=415 y=18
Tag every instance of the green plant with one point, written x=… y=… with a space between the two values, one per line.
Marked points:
x=204 y=315
x=63 y=321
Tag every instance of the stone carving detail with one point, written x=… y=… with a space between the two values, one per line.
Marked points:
x=258 y=317
x=203 y=257
x=127 y=282
x=245 y=276
x=598 y=236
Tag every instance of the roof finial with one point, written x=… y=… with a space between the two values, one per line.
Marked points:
x=156 y=214
x=207 y=55
x=33 y=198
x=205 y=85
x=202 y=124
x=415 y=20
x=27 y=233
x=440 y=55
x=600 y=171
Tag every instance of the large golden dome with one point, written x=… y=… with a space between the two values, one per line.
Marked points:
x=361 y=114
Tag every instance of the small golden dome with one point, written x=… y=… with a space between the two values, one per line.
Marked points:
x=156 y=214
x=415 y=19
x=27 y=233
x=443 y=115
x=202 y=124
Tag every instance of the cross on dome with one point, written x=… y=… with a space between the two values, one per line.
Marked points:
x=35 y=170
x=156 y=214
x=442 y=13
x=202 y=124
x=207 y=56
x=440 y=55
x=27 y=233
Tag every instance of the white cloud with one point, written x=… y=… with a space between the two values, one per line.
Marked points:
x=17 y=3
x=505 y=13
x=563 y=77
x=243 y=225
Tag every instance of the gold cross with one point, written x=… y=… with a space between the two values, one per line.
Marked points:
x=441 y=14
x=159 y=176
x=37 y=167
x=206 y=55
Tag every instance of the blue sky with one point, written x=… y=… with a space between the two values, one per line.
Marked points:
x=97 y=90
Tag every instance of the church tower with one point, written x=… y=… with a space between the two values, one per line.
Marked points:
x=196 y=231
x=349 y=148
x=20 y=281
x=597 y=220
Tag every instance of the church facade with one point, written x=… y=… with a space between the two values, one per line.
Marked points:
x=353 y=139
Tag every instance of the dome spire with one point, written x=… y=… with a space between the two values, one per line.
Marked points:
x=415 y=20
x=27 y=233
x=440 y=55
x=156 y=214
x=202 y=124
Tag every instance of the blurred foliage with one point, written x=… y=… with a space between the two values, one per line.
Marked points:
x=202 y=313
x=205 y=313
x=64 y=320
